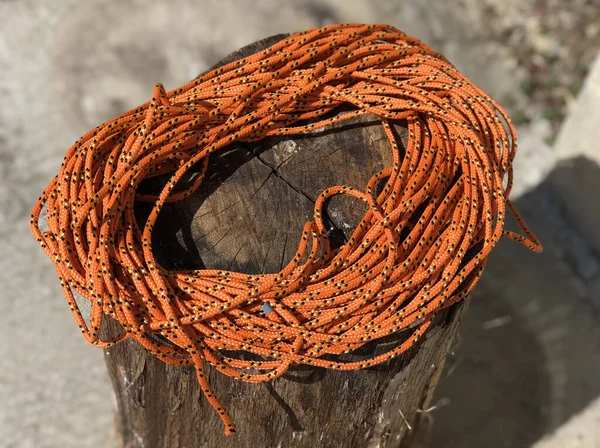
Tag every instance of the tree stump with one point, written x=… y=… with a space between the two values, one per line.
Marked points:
x=248 y=216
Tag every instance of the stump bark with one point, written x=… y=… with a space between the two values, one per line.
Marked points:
x=248 y=216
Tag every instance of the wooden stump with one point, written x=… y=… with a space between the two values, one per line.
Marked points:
x=248 y=216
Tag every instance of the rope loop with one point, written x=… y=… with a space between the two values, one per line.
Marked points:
x=432 y=219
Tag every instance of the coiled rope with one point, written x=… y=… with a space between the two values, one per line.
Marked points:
x=421 y=246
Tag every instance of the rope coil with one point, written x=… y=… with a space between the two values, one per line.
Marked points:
x=421 y=246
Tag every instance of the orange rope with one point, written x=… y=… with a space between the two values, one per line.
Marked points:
x=421 y=246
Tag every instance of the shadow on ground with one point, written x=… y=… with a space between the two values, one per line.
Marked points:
x=528 y=357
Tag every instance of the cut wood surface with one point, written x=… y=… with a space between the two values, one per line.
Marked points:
x=248 y=216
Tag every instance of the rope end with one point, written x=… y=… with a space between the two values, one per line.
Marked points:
x=230 y=429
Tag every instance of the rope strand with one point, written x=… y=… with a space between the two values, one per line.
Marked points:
x=421 y=246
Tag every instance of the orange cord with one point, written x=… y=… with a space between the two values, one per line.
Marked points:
x=421 y=246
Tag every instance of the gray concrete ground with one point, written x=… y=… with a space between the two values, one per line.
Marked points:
x=525 y=370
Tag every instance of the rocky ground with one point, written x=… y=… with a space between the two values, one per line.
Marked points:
x=523 y=373
x=551 y=42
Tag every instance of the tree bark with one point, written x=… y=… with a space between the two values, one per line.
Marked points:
x=248 y=216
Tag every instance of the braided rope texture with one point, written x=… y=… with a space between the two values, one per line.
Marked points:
x=432 y=220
